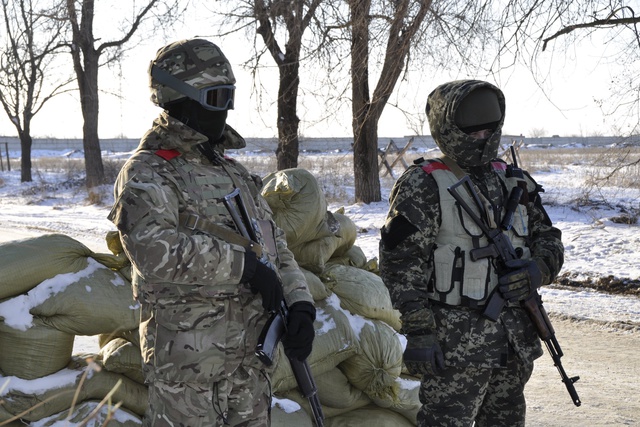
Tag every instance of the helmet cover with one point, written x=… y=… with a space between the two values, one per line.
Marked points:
x=196 y=62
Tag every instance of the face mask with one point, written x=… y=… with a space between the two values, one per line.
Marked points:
x=208 y=122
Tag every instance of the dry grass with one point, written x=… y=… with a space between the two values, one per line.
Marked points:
x=600 y=167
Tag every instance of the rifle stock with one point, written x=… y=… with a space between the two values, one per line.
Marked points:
x=501 y=248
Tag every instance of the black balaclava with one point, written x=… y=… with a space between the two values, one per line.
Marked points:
x=209 y=123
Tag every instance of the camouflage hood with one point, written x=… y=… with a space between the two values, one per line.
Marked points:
x=442 y=105
x=168 y=133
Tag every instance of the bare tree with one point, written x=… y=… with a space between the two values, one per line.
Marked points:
x=378 y=32
x=405 y=22
x=537 y=132
x=31 y=42
x=532 y=29
x=87 y=52
x=401 y=26
x=281 y=25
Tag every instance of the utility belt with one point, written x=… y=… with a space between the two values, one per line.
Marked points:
x=171 y=293
x=463 y=302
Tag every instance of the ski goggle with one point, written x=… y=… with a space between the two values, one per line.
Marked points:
x=218 y=98
x=214 y=98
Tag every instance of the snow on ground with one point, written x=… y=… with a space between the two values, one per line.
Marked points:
x=595 y=245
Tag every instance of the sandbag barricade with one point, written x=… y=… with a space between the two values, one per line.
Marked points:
x=366 y=388
x=42 y=322
x=82 y=380
x=54 y=288
x=357 y=354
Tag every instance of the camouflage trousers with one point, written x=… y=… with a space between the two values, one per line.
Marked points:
x=489 y=397
x=199 y=360
x=242 y=400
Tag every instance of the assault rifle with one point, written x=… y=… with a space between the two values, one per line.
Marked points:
x=276 y=326
x=501 y=248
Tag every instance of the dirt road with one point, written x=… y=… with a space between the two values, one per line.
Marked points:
x=607 y=359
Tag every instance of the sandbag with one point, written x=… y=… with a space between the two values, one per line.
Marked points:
x=94 y=301
x=346 y=234
x=408 y=402
x=328 y=411
x=370 y=416
x=286 y=413
x=6 y=415
x=27 y=262
x=35 y=352
x=334 y=343
x=314 y=254
x=122 y=357
x=119 y=417
x=298 y=204
x=133 y=336
x=354 y=257
x=378 y=364
x=317 y=289
x=335 y=390
x=361 y=292
x=25 y=396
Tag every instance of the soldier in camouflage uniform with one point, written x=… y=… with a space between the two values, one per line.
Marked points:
x=204 y=295
x=473 y=369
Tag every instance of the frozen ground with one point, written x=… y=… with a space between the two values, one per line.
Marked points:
x=597 y=307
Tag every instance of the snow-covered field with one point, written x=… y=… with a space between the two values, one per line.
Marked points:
x=596 y=245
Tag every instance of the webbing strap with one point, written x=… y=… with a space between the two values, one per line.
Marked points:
x=248 y=203
x=195 y=222
x=459 y=173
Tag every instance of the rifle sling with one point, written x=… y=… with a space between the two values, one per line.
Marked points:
x=195 y=222
x=453 y=166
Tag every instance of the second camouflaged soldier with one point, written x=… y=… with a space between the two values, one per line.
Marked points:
x=473 y=368
x=204 y=297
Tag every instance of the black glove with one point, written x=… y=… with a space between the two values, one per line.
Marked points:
x=423 y=355
x=264 y=280
x=521 y=280
x=300 y=332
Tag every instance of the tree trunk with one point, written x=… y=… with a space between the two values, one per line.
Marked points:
x=90 y=108
x=365 y=123
x=25 y=157
x=288 y=121
x=365 y=161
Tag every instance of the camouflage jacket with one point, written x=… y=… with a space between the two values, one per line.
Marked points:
x=149 y=196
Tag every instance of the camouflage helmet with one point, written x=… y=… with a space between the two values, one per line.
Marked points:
x=186 y=69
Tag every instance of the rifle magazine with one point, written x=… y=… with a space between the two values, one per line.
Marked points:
x=269 y=338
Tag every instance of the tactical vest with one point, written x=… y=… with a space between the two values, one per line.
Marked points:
x=457 y=279
x=203 y=191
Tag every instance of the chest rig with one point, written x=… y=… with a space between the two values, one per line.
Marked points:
x=457 y=279
x=204 y=186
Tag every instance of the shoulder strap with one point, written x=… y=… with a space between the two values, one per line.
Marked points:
x=248 y=203
x=453 y=167
x=195 y=222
